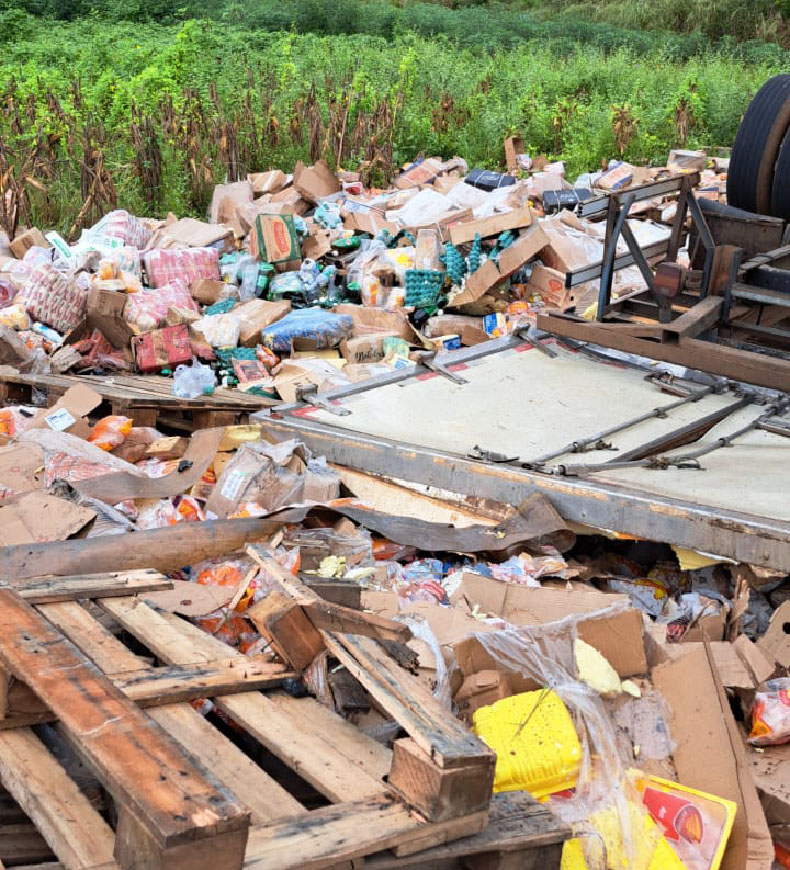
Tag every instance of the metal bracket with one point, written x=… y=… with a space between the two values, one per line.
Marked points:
x=308 y=393
x=428 y=359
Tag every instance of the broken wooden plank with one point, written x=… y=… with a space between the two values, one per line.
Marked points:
x=332 y=835
x=292 y=617
x=323 y=748
x=440 y=793
x=254 y=788
x=169 y=810
x=73 y=829
x=446 y=740
x=156 y=687
x=697 y=319
x=90 y=586
x=517 y=824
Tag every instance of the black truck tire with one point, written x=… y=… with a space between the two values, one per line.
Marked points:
x=750 y=180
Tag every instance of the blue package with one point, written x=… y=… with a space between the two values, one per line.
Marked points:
x=322 y=327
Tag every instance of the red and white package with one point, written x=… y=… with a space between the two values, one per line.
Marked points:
x=120 y=225
x=771 y=714
x=148 y=309
x=164 y=265
x=54 y=299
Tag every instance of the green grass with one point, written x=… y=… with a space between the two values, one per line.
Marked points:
x=452 y=91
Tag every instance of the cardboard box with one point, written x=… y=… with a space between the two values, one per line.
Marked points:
x=269 y=475
x=370 y=321
x=267 y=182
x=419 y=173
x=207 y=291
x=274 y=240
x=162 y=348
x=257 y=314
x=481 y=690
x=775 y=643
x=491 y=226
x=514 y=145
x=21 y=470
x=316 y=182
x=226 y=201
x=191 y=233
x=366 y=348
x=549 y=284
x=105 y=312
x=32 y=238
x=321 y=484
x=617 y=635
x=528 y=245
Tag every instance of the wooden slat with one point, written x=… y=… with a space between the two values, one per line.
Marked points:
x=517 y=823
x=75 y=832
x=323 y=748
x=22 y=844
x=739 y=365
x=90 y=586
x=253 y=787
x=447 y=740
x=157 y=786
x=156 y=687
x=333 y=835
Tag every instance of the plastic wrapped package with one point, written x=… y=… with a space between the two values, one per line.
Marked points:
x=324 y=328
x=71 y=469
x=16 y=419
x=110 y=432
x=771 y=714
x=117 y=228
x=160 y=513
x=54 y=299
x=421 y=630
x=194 y=380
x=148 y=310
x=136 y=443
x=219 y=330
x=164 y=265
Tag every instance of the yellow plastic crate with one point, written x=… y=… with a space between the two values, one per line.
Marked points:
x=535 y=741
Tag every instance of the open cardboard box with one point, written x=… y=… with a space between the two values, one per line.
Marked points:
x=708 y=750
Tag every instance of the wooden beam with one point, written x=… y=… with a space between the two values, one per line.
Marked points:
x=446 y=740
x=254 y=788
x=169 y=811
x=704 y=356
x=440 y=793
x=697 y=319
x=90 y=586
x=292 y=616
x=73 y=829
x=333 y=835
x=330 y=753
x=163 y=549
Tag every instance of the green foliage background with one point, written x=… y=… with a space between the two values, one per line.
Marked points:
x=461 y=79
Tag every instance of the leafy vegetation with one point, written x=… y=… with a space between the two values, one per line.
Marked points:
x=149 y=115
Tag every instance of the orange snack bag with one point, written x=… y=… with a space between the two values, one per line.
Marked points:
x=110 y=432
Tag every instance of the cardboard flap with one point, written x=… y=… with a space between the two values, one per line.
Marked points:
x=65 y=415
x=38 y=517
x=709 y=753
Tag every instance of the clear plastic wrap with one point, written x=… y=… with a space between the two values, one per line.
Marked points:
x=421 y=630
x=604 y=807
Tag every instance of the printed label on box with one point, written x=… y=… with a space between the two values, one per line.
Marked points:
x=60 y=420
x=234 y=484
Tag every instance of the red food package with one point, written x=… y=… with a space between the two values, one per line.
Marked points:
x=771 y=714
x=162 y=348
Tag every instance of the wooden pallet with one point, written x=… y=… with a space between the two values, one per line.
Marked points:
x=184 y=794
x=146 y=399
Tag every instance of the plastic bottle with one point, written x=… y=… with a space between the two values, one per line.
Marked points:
x=189 y=382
